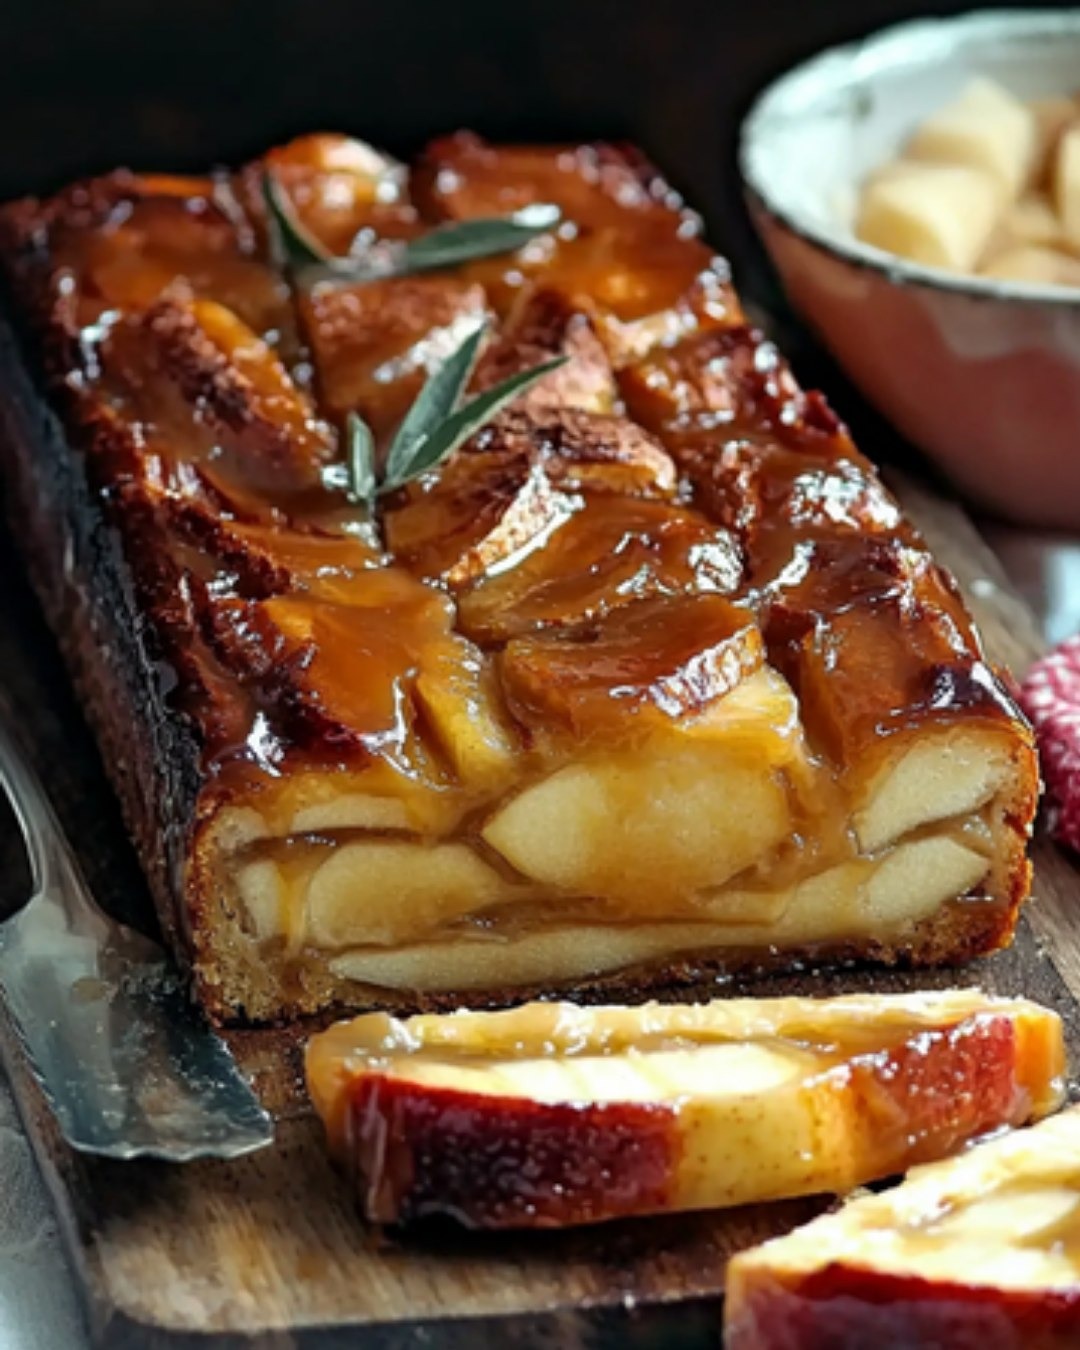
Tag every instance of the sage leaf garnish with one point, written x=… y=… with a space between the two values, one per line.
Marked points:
x=486 y=237
x=444 y=246
x=438 y=398
x=360 y=460
x=440 y=443
x=436 y=424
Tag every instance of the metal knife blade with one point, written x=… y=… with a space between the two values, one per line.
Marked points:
x=128 y=1065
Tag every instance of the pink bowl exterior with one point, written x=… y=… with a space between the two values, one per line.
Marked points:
x=988 y=386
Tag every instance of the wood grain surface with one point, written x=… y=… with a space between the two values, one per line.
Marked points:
x=268 y=1251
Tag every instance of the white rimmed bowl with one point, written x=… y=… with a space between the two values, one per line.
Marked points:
x=983 y=375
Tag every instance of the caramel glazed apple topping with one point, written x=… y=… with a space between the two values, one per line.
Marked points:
x=649 y=672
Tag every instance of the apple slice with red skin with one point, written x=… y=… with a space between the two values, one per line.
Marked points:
x=552 y=1114
x=975 y=1253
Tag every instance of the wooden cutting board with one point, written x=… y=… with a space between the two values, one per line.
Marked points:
x=268 y=1251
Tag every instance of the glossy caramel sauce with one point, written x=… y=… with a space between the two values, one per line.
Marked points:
x=834 y=1030
x=603 y=565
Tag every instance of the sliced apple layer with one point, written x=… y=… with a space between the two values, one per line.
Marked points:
x=552 y=1114
x=855 y=902
x=714 y=836
x=980 y=1251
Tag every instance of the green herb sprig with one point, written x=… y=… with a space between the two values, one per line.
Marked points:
x=435 y=426
x=445 y=246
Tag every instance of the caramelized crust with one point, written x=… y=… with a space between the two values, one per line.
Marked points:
x=652 y=668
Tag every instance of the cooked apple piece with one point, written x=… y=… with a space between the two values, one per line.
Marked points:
x=388 y=891
x=977 y=1250
x=772 y=496
x=944 y=774
x=665 y=658
x=273 y=892
x=636 y=826
x=152 y=242
x=342 y=675
x=542 y=326
x=340 y=189
x=643 y=290
x=346 y=806
x=985 y=128
x=875 y=899
x=372 y=799
x=483 y=511
x=463 y=176
x=838 y=568
x=552 y=1114
x=275 y=399
x=204 y=385
x=889 y=641
x=265 y=559
x=374 y=666
x=614 y=552
x=460 y=698
x=515 y=485
x=942 y=215
x=687 y=809
x=375 y=343
x=733 y=377
x=558 y=955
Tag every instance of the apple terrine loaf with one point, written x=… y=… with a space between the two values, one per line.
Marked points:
x=471 y=604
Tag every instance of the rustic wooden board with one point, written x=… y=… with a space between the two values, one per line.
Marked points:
x=267 y=1251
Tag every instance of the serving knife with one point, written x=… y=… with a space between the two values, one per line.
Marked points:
x=127 y=1063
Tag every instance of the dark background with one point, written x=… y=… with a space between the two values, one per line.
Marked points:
x=90 y=84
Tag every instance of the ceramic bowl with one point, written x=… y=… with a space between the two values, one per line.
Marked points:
x=983 y=375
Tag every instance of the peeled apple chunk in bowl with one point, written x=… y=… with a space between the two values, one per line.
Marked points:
x=988 y=184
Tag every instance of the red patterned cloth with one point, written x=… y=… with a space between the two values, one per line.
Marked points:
x=1050 y=695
